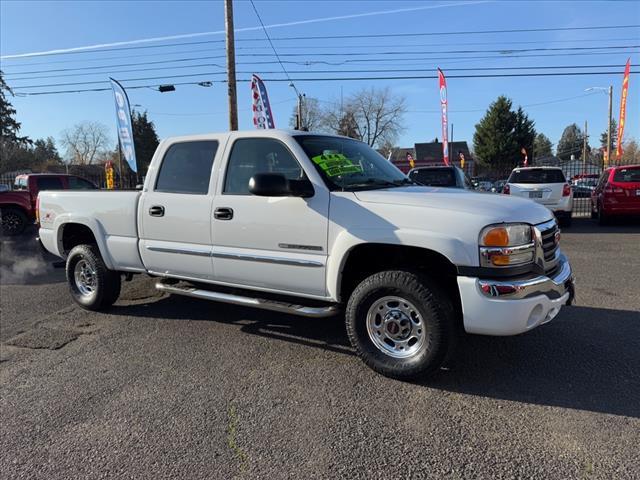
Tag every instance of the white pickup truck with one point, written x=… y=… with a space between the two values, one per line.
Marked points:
x=314 y=225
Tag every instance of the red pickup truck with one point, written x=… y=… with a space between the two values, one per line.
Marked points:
x=18 y=206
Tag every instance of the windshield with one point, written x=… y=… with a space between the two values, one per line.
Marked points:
x=347 y=164
x=537 y=175
x=434 y=177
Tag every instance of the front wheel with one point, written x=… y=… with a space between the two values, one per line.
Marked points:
x=92 y=285
x=401 y=324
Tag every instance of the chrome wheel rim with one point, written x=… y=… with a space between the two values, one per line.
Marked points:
x=84 y=277
x=396 y=327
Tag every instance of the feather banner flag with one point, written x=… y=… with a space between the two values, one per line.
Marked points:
x=262 y=115
x=623 y=107
x=442 y=81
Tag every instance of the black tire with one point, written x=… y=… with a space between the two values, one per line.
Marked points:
x=101 y=286
x=594 y=214
x=435 y=313
x=14 y=221
x=603 y=218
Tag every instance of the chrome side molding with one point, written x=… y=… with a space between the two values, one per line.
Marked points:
x=273 y=305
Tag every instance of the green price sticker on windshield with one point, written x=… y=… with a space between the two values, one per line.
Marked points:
x=334 y=164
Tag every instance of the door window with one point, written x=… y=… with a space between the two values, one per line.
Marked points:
x=250 y=156
x=186 y=168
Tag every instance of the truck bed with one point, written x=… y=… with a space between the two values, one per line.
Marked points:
x=111 y=215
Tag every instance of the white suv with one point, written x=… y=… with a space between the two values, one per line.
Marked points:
x=545 y=185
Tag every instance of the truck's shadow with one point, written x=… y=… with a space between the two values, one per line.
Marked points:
x=588 y=358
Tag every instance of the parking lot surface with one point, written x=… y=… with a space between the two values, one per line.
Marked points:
x=174 y=387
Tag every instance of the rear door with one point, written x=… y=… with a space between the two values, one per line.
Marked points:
x=543 y=185
x=175 y=212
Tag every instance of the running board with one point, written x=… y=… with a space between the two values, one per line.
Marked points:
x=273 y=305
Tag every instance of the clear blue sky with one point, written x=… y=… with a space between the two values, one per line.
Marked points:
x=41 y=26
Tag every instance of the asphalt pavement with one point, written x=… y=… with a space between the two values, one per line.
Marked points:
x=174 y=387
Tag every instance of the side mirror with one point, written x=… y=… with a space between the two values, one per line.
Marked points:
x=277 y=185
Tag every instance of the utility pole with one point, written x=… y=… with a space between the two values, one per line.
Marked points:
x=231 y=65
x=584 y=149
x=606 y=164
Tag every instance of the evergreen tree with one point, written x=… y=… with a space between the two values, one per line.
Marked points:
x=495 y=143
x=614 y=137
x=524 y=131
x=542 y=146
x=571 y=143
x=145 y=140
x=10 y=141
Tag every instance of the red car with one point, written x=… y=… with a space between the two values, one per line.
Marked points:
x=18 y=206
x=617 y=193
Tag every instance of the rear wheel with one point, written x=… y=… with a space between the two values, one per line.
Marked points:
x=92 y=285
x=14 y=221
x=401 y=324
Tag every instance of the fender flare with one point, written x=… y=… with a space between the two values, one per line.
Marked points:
x=92 y=224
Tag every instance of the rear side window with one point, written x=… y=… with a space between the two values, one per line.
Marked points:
x=76 y=183
x=434 y=177
x=186 y=168
x=49 y=183
x=536 y=175
x=627 y=175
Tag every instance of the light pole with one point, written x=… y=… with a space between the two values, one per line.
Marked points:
x=610 y=91
x=301 y=96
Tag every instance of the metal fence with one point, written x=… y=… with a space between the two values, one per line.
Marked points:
x=581 y=175
x=124 y=182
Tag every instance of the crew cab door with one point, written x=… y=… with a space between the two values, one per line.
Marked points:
x=174 y=218
x=275 y=243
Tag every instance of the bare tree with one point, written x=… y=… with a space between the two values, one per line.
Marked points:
x=85 y=142
x=312 y=115
x=372 y=115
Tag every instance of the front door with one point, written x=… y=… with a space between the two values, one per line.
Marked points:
x=175 y=220
x=269 y=242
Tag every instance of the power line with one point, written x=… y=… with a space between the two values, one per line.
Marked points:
x=476 y=32
x=189 y=51
x=386 y=70
x=377 y=35
x=269 y=39
x=325 y=79
x=504 y=53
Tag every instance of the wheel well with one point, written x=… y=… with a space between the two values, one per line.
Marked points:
x=367 y=259
x=15 y=206
x=76 y=234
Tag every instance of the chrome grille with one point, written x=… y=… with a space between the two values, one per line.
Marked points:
x=550 y=244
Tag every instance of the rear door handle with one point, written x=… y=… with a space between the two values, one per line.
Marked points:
x=223 y=213
x=156 y=211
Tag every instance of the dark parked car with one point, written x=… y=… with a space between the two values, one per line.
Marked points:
x=440 y=176
x=582 y=188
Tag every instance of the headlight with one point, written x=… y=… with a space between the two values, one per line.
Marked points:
x=506 y=245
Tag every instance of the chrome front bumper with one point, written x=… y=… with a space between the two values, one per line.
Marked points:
x=553 y=287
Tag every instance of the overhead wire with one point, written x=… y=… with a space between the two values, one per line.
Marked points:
x=325 y=79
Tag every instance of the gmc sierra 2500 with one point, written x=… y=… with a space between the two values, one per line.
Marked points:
x=312 y=225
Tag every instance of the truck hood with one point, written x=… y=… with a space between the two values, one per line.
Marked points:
x=490 y=206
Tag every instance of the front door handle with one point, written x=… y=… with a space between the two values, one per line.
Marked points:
x=223 y=213
x=156 y=211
